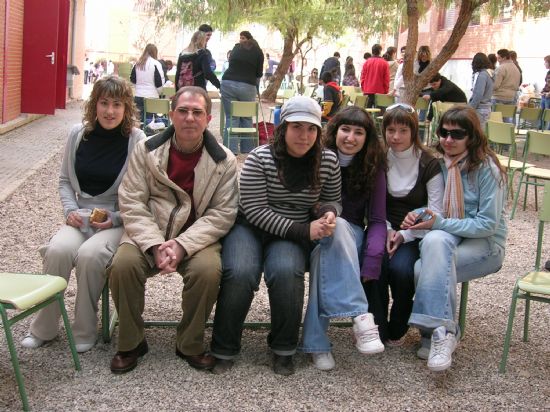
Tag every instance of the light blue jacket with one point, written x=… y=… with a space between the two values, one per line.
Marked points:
x=484 y=200
x=72 y=197
x=482 y=90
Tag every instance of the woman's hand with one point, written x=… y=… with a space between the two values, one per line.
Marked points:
x=74 y=220
x=107 y=224
x=322 y=227
x=393 y=241
x=410 y=221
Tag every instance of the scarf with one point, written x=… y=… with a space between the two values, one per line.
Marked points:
x=453 y=199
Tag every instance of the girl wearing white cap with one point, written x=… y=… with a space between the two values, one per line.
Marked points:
x=282 y=185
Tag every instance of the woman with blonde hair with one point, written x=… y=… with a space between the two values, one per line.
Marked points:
x=193 y=67
x=148 y=76
x=95 y=160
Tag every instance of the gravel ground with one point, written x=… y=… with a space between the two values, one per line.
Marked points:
x=395 y=380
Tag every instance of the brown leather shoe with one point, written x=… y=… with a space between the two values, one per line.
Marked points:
x=125 y=361
x=202 y=361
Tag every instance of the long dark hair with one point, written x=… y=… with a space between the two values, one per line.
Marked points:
x=477 y=145
x=313 y=156
x=480 y=62
x=370 y=159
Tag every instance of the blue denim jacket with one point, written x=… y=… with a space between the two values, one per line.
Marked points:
x=484 y=200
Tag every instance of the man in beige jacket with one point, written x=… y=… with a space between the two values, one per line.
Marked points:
x=178 y=198
x=507 y=79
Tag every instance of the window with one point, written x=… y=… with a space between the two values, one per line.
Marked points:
x=447 y=17
x=506 y=11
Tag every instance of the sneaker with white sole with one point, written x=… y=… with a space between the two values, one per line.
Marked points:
x=442 y=348
x=323 y=361
x=365 y=333
x=84 y=347
x=424 y=351
x=32 y=342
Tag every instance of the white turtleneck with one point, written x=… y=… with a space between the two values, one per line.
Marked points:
x=402 y=171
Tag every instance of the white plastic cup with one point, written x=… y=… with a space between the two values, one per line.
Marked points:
x=85 y=215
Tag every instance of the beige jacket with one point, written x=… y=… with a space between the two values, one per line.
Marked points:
x=154 y=209
x=507 y=78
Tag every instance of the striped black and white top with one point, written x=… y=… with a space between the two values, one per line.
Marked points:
x=267 y=204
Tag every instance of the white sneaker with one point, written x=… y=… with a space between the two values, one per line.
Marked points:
x=84 y=347
x=443 y=346
x=323 y=361
x=424 y=351
x=365 y=334
x=32 y=342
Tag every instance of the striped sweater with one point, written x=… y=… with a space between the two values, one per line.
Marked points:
x=267 y=204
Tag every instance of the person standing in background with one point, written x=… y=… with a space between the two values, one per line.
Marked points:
x=332 y=65
x=208 y=31
x=375 y=75
x=545 y=96
x=148 y=76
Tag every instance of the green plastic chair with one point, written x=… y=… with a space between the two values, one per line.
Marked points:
x=168 y=92
x=507 y=110
x=536 y=143
x=124 y=70
x=500 y=135
x=27 y=294
x=360 y=100
x=545 y=118
x=243 y=109
x=438 y=109
x=156 y=106
x=528 y=118
x=422 y=104
x=533 y=286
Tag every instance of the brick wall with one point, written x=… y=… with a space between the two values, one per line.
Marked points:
x=11 y=40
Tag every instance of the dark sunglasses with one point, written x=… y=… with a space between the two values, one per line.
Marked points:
x=404 y=106
x=456 y=134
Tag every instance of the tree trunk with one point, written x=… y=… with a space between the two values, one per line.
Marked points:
x=415 y=83
x=289 y=52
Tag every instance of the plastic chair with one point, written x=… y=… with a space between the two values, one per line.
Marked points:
x=360 y=100
x=529 y=118
x=496 y=117
x=168 y=92
x=286 y=94
x=533 y=286
x=243 y=109
x=438 y=109
x=422 y=105
x=28 y=294
x=536 y=143
x=500 y=135
x=348 y=90
x=156 y=106
x=507 y=110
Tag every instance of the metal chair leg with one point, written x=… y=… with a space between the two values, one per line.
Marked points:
x=463 y=306
x=526 y=317
x=14 y=359
x=506 y=349
x=68 y=330
x=105 y=313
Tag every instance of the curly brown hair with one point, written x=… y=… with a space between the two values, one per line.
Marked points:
x=477 y=145
x=313 y=156
x=116 y=88
x=370 y=159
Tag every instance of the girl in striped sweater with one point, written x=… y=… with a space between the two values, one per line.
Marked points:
x=289 y=197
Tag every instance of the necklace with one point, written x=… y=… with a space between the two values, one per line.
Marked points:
x=192 y=150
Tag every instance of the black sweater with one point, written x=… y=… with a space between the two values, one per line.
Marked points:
x=245 y=65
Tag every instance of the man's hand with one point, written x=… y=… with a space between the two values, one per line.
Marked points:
x=168 y=256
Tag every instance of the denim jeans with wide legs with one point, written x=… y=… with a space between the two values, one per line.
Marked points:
x=446 y=260
x=544 y=104
x=242 y=92
x=247 y=251
x=334 y=284
x=397 y=274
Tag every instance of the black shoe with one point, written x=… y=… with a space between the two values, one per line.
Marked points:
x=222 y=366
x=547 y=265
x=283 y=365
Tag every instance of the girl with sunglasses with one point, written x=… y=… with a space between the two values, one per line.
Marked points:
x=339 y=262
x=467 y=240
x=414 y=181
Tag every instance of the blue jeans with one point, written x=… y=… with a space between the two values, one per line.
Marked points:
x=247 y=251
x=544 y=104
x=499 y=101
x=446 y=260
x=242 y=92
x=334 y=284
x=397 y=274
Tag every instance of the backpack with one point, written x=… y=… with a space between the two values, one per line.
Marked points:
x=186 y=77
